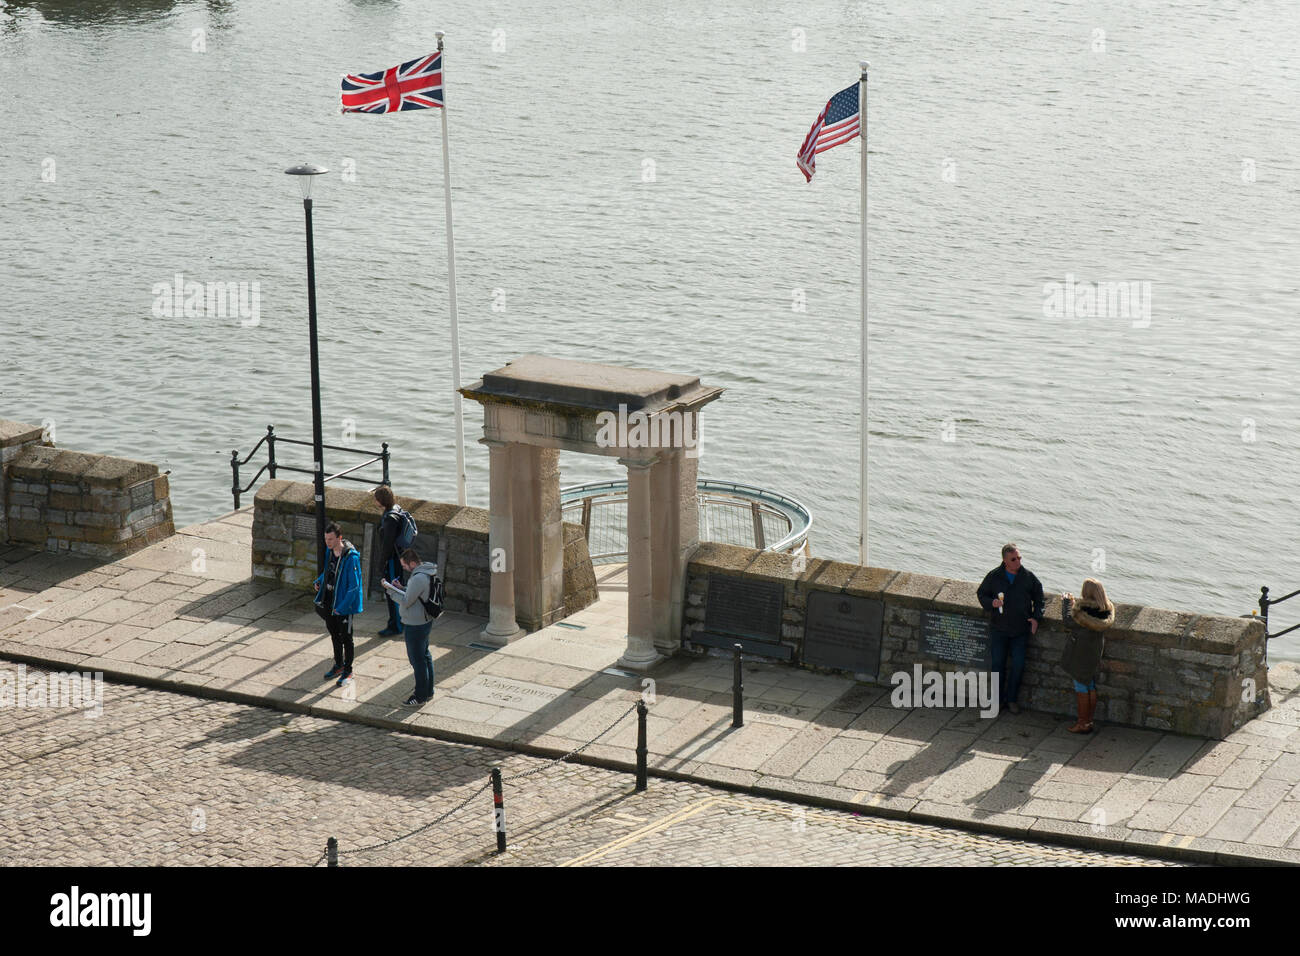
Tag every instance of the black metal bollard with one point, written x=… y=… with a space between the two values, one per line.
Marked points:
x=270 y=449
x=499 y=809
x=641 y=749
x=332 y=852
x=737 y=694
x=234 y=485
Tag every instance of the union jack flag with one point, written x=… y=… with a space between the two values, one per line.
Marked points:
x=837 y=123
x=415 y=85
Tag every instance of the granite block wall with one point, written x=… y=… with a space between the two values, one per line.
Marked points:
x=1167 y=670
x=77 y=502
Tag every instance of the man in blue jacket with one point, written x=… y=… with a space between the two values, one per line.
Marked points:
x=1013 y=597
x=338 y=597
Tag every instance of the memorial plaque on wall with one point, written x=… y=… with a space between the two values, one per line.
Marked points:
x=957 y=638
x=373 y=569
x=370 y=535
x=741 y=608
x=843 y=631
x=304 y=526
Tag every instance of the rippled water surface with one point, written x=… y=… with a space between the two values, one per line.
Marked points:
x=1011 y=146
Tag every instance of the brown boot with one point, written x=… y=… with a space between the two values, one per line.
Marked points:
x=1092 y=706
x=1082 y=725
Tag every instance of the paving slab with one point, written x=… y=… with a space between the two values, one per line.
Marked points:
x=1204 y=813
x=1124 y=799
x=830 y=763
x=1278 y=828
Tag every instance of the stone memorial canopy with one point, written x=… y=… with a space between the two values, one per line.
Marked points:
x=587 y=385
x=534 y=408
x=590 y=408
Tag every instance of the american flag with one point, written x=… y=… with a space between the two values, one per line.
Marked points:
x=415 y=85
x=837 y=123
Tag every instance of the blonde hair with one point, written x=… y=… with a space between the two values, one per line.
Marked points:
x=1093 y=593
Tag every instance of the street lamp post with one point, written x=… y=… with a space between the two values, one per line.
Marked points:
x=305 y=173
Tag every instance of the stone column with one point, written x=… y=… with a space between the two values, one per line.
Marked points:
x=688 y=531
x=501 y=629
x=550 y=521
x=640 y=654
x=538 y=536
x=688 y=470
x=665 y=518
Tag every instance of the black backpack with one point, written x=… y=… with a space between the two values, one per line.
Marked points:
x=406 y=529
x=433 y=603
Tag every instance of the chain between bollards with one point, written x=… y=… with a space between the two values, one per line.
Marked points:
x=498 y=800
x=641 y=749
x=737 y=694
x=498 y=810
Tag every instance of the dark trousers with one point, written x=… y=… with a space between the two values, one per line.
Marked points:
x=417 y=652
x=1009 y=662
x=394 y=574
x=340 y=628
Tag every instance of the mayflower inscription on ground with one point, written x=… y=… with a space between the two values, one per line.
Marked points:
x=504 y=692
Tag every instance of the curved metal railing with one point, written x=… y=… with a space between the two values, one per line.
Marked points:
x=730 y=513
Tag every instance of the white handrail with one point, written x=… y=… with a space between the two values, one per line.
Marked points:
x=712 y=494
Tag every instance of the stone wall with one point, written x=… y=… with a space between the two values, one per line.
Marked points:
x=73 y=501
x=15 y=438
x=284 y=543
x=1167 y=670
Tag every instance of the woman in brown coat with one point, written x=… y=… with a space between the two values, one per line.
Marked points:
x=1093 y=612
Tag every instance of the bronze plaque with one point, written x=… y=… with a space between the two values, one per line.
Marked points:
x=843 y=631
x=957 y=638
x=741 y=608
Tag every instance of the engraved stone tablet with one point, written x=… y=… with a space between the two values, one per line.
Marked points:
x=957 y=638
x=740 y=608
x=780 y=715
x=141 y=495
x=843 y=631
x=506 y=692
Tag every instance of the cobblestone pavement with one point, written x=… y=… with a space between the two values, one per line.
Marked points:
x=163 y=778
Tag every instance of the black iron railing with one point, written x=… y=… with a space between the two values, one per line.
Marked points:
x=271 y=438
x=1265 y=602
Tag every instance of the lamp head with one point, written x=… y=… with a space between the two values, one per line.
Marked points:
x=305 y=172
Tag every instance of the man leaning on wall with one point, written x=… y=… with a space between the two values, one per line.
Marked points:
x=1013 y=596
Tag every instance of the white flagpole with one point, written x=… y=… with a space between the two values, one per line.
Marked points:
x=451 y=286
x=862 y=476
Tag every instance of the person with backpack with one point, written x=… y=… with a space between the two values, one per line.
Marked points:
x=420 y=603
x=338 y=597
x=397 y=531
